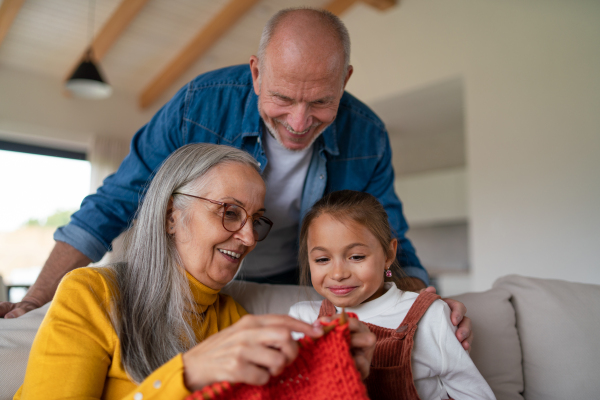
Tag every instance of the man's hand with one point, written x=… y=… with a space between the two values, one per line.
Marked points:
x=464 y=333
x=64 y=258
x=14 y=310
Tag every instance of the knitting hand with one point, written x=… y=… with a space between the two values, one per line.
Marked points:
x=250 y=351
x=362 y=343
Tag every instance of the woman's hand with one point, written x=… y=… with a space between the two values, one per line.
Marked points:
x=250 y=351
x=362 y=344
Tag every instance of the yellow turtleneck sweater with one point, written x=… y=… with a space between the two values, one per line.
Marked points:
x=76 y=352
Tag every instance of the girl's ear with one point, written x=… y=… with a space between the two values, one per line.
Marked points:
x=391 y=254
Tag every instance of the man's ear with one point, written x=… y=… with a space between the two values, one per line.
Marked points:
x=254 y=68
x=348 y=75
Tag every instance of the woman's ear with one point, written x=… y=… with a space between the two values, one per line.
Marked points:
x=170 y=219
x=391 y=254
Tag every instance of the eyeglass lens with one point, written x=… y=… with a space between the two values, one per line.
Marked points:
x=234 y=216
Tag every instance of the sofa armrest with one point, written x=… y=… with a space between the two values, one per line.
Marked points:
x=16 y=337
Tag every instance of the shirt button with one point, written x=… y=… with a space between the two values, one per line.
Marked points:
x=322 y=176
x=157 y=384
x=259 y=164
x=138 y=396
x=258 y=140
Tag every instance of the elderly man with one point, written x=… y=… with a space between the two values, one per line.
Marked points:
x=289 y=110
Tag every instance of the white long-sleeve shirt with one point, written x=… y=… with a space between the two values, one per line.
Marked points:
x=440 y=366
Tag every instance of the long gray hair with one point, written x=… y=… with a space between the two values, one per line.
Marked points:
x=151 y=291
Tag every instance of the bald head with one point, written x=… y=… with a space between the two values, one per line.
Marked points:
x=301 y=34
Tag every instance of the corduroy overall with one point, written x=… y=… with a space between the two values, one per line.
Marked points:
x=391 y=372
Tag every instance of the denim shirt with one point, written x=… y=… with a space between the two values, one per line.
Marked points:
x=221 y=107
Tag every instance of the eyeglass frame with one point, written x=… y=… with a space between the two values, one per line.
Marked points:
x=225 y=205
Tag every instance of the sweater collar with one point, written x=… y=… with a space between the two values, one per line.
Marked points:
x=203 y=295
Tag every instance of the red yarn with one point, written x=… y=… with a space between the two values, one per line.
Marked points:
x=324 y=369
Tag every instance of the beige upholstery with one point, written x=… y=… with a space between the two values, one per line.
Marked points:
x=16 y=336
x=558 y=324
x=534 y=338
x=496 y=349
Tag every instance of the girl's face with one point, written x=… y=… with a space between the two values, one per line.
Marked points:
x=347 y=262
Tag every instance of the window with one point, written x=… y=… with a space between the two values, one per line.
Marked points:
x=41 y=188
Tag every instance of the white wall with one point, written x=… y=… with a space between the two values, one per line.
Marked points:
x=33 y=109
x=532 y=119
x=433 y=198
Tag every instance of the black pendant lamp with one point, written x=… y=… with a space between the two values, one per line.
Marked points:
x=87 y=81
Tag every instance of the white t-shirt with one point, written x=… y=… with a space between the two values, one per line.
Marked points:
x=284 y=175
x=440 y=366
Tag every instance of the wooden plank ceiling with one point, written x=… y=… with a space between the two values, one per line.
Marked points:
x=146 y=47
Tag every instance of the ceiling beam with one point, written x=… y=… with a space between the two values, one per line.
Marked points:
x=338 y=7
x=381 y=5
x=111 y=31
x=197 y=47
x=8 y=12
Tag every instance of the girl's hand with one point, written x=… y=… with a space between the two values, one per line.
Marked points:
x=250 y=351
x=362 y=344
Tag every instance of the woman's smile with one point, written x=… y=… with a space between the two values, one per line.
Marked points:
x=230 y=255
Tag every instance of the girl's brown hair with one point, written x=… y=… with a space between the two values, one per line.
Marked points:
x=361 y=208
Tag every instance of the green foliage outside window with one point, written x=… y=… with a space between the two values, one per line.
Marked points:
x=59 y=218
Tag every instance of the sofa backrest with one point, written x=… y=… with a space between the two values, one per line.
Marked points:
x=496 y=347
x=557 y=322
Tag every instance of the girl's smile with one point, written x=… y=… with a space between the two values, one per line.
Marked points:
x=341 y=290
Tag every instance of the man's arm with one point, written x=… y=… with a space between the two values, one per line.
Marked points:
x=62 y=259
x=105 y=214
x=382 y=187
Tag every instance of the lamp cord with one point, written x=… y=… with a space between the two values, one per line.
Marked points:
x=91 y=8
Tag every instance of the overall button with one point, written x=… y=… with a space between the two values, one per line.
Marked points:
x=138 y=396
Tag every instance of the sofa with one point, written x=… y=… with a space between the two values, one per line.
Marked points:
x=534 y=338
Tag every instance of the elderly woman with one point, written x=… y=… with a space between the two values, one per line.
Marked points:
x=156 y=326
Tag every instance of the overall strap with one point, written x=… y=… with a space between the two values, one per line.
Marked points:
x=327 y=309
x=416 y=312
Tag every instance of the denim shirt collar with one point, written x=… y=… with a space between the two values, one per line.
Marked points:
x=251 y=118
x=251 y=126
x=329 y=140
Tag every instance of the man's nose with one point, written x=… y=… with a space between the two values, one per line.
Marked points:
x=300 y=118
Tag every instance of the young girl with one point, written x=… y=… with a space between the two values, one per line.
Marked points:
x=347 y=248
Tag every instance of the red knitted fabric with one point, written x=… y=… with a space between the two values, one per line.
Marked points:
x=324 y=369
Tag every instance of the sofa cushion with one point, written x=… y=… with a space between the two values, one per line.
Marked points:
x=557 y=322
x=16 y=337
x=496 y=348
x=262 y=298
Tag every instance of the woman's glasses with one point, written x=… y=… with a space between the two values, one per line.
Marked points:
x=235 y=217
